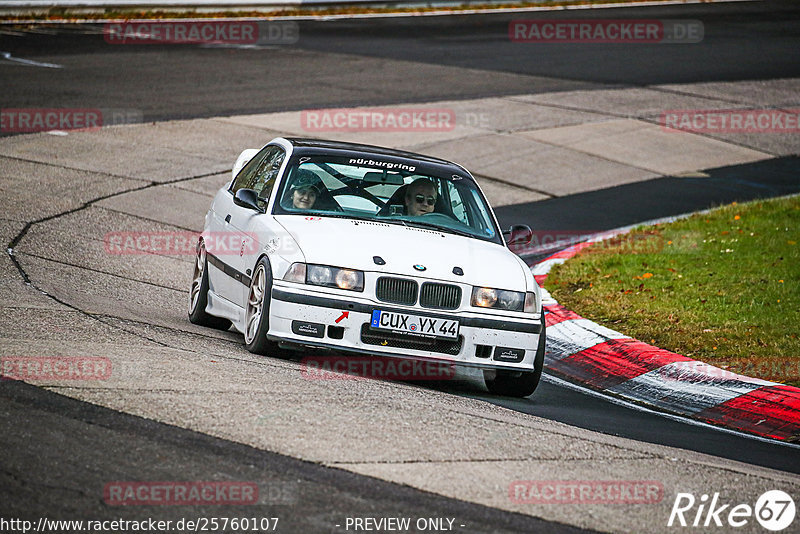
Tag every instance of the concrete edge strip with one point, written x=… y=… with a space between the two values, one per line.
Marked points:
x=586 y=353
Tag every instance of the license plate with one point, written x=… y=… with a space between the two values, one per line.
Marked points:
x=414 y=325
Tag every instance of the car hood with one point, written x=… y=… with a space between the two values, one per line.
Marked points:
x=353 y=244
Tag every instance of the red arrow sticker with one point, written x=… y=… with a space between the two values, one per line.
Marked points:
x=345 y=315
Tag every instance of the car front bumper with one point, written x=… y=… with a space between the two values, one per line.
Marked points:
x=303 y=316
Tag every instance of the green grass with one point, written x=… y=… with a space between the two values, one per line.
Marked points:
x=721 y=287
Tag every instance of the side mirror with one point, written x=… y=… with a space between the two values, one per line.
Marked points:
x=247 y=198
x=518 y=234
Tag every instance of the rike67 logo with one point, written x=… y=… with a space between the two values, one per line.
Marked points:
x=774 y=510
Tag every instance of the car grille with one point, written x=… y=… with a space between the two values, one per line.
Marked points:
x=396 y=290
x=441 y=296
x=400 y=341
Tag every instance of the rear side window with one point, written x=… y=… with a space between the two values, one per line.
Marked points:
x=260 y=172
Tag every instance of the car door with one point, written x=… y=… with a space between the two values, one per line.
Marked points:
x=249 y=225
x=218 y=242
x=224 y=237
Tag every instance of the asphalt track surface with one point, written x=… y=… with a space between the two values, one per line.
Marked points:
x=183 y=82
x=743 y=41
x=94 y=442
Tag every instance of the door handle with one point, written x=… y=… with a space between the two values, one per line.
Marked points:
x=228 y=218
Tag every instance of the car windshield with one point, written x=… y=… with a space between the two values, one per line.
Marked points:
x=390 y=192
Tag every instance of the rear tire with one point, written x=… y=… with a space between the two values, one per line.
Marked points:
x=521 y=383
x=198 y=294
x=256 y=319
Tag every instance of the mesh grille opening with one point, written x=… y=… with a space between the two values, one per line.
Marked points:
x=400 y=341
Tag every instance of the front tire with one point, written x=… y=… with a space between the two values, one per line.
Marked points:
x=198 y=294
x=520 y=383
x=256 y=319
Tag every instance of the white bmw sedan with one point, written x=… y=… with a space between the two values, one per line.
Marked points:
x=367 y=250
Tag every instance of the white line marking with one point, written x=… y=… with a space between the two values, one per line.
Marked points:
x=632 y=406
x=7 y=56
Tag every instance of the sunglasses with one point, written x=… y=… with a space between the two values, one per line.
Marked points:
x=421 y=200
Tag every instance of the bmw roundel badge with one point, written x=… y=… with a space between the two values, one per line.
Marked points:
x=419 y=267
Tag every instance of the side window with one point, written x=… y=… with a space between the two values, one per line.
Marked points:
x=245 y=176
x=260 y=172
x=268 y=173
x=457 y=204
x=479 y=214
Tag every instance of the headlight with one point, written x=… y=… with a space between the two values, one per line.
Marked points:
x=324 y=275
x=347 y=279
x=510 y=300
x=319 y=275
x=486 y=297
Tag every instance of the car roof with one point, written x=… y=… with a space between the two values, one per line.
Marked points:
x=315 y=146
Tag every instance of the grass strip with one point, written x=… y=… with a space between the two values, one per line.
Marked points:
x=722 y=287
